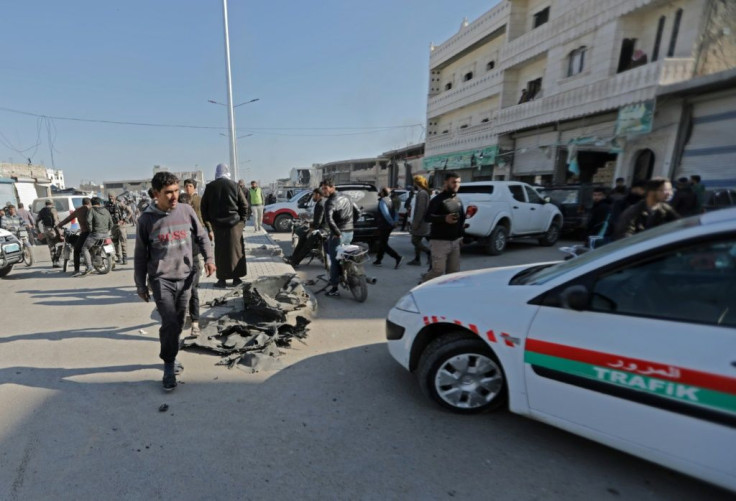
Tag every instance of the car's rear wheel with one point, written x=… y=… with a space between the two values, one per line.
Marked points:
x=551 y=236
x=282 y=223
x=462 y=374
x=496 y=243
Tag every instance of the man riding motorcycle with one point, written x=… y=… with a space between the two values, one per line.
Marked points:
x=46 y=223
x=99 y=222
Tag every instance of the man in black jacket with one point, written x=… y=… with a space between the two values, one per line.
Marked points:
x=685 y=201
x=650 y=212
x=225 y=208
x=339 y=218
x=447 y=217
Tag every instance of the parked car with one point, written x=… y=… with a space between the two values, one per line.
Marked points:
x=631 y=344
x=280 y=214
x=11 y=251
x=497 y=211
x=575 y=202
x=365 y=196
x=63 y=204
x=719 y=198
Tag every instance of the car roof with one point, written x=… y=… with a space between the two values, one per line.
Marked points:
x=719 y=216
x=489 y=183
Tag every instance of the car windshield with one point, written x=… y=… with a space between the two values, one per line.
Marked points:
x=544 y=273
x=562 y=196
x=296 y=197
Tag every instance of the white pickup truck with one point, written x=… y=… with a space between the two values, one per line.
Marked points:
x=496 y=211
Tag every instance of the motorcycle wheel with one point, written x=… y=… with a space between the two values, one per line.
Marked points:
x=102 y=263
x=358 y=287
x=28 y=255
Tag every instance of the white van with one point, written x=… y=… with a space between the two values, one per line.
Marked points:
x=64 y=205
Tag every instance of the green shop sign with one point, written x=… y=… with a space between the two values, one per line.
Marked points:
x=462 y=159
x=635 y=118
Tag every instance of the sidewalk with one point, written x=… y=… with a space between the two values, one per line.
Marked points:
x=263 y=259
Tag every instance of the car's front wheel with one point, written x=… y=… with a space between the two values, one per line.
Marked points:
x=462 y=374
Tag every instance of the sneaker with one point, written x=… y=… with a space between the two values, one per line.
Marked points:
x=236 y=282
x=221 y=284
x=55 y=264
x=398 y=261
x=414 y=262
x=376 y=263
x=178 y=367
x=169 y=380
x=124 y=261
x=333 y=292
x=78 y=274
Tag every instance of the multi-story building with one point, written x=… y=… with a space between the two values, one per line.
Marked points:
x=363 y=170
x=57 y=178
x=574 y=90
x=403 y=163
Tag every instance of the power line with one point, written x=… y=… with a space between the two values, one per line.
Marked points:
x=186 y=126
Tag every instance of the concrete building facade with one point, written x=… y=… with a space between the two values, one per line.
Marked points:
x=557 y=91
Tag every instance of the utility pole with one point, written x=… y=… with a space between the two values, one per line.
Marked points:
x=230 y=114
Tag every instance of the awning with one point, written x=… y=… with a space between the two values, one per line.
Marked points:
x=462 y=159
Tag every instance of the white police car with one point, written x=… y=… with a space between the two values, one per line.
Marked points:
x=632 y=345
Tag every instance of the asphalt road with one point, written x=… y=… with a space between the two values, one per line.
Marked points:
x=80 y=392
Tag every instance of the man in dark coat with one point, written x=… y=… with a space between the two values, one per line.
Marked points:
x=224 y=207
x=652 y=211
x=599 y=223
x=685 y=201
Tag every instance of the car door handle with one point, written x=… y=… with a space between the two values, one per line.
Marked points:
x=733 y=364
x=516 y=206
x=534 y=208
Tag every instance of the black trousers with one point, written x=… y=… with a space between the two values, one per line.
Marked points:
x=194 y=299
x=171 y=298
x=384 y=232
x=81 y=238
x=307 y=242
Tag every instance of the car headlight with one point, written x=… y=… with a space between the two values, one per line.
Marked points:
x=407 y=303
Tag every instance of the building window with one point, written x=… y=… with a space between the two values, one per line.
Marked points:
x=658 y=39
x=490 y=65
x=468 y=76
x=485 y=120
x=541 y=17
x=576 y=61
x=464 y=126
x=448 y=86
x=675 y=31
x=446 y=131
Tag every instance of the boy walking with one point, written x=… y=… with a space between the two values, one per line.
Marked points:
x=163 y=253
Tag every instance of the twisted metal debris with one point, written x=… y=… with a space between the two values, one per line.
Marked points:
x=270 y=316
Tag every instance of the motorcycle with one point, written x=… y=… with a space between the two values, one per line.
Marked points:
x=24 y=237
x=101 y=253
x=352 y=277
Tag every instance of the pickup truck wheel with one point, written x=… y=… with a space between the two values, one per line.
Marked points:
x=497 y=241
x=552 y=235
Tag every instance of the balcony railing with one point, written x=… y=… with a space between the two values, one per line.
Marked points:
x=624 y=88
x=470 y=34
x=467 y=93
x=477 y=136
x=585 y=17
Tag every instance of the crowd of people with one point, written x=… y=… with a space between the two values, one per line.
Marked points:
x=644 y=205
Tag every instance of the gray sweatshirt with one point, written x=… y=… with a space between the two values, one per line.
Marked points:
x=163 y=246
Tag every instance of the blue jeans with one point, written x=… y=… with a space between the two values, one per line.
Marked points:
x=345 y=238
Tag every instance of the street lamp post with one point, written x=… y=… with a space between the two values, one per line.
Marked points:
x=230 y=114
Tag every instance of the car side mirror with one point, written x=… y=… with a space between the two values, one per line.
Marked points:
x=575 y=297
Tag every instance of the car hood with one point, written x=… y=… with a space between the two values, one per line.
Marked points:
x=280 y=205
x=470 y=285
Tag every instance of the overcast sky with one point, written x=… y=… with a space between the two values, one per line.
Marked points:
x=335 y=79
